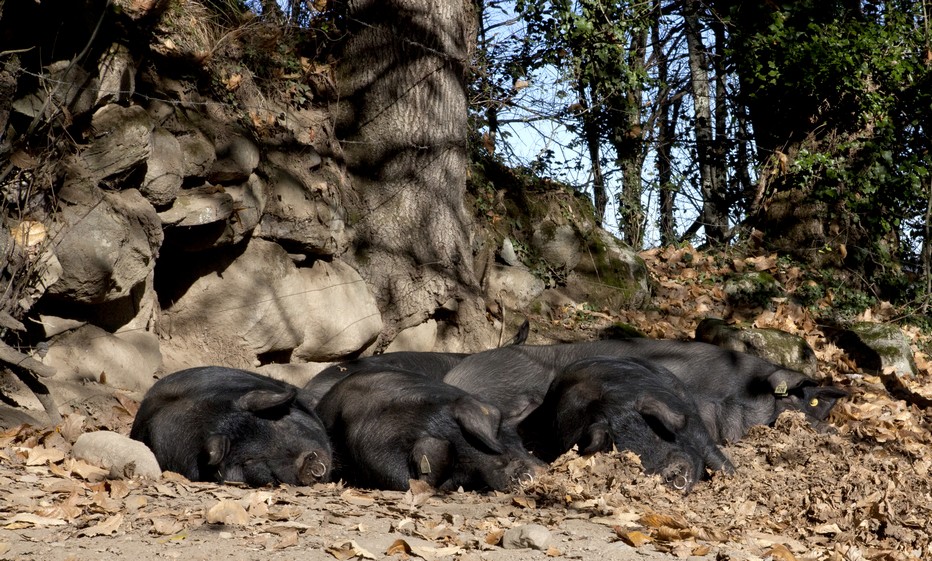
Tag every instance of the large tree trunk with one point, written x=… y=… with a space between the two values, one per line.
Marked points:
x=402 y=119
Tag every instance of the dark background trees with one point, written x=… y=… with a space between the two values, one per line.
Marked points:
x=800 y=127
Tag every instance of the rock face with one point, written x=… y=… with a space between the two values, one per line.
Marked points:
x=172 y=227
x=108 y=245
x=268 y=304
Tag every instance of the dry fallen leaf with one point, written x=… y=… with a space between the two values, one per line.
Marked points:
x=654 y=520
x=165 y=526
x=634 y=538
x=398 y=547
x=104 y=528
x=348 y=550
x=40 y=455
x=779 y=552
x=289 y=538
x=418 y=492
x=228 y=512
x=357 y=498
x=26 y=519
x=495 y=537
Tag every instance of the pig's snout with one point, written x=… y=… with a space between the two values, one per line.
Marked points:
x=312 y=468
x=526 y=474
x=677 y=475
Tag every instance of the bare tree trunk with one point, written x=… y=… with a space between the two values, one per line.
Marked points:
x=628 y=141
x=719 y=144
x=593 y=144
x=715 y=223
x=667 y=110
x=402 y=119
x=927 y=251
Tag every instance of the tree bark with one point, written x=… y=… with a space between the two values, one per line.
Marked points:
x=593 y=144
x=714 y=222
x=402 y=120
x=628 y=141
x=667 y=109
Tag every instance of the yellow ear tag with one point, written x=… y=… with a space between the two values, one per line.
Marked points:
x=813 y=402
x=780 y=389
x=425 y=465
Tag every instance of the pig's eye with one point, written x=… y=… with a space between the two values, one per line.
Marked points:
x=814 y=402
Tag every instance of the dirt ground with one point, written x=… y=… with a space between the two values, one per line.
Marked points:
x=857 y=489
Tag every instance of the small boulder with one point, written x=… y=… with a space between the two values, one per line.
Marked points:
x=163 y=169
x=529 y=536
x=123 y=456
x=121 y=140
x=237 y=158
x=788 y=350
x=878 y=348
x=126 y=361
x=421 y=337
x=108 y=244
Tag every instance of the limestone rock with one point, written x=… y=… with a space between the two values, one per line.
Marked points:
x=343 y=318
x=123 y=456
x=753 y=289
x=302 y=209
x=878 y=348
x=264 y=303
x=163 y=169
x=198 y=206
x=516 y=286
x=558 y=244
x=127 y=361
x=528 y=536
x=421 y=337
x=236 y=159
x=120 y=142
x=108 y=244
x=68 y=85
x=299 y=373
x=788 y=350
x=117 y=75
x=612 y=272
x=198 y=154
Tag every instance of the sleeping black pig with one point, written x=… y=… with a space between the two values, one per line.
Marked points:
x=601 y=402
x=733 y=390
x=393 y=426
x=220 y=424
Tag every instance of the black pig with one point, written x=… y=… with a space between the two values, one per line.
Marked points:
x=433 y=364
x=393 y=426
x=220 y=424
x=633 y=405
x=733 y=390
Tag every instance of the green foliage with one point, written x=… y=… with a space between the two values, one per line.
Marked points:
x=851 y=91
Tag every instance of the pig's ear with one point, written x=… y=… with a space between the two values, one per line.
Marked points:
x=650 y=406
x=260 y=400
x=521 y=408
x=597 y=438
x=480 y=420
x=218 y=446
x=430 y=460
x=783 y=380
